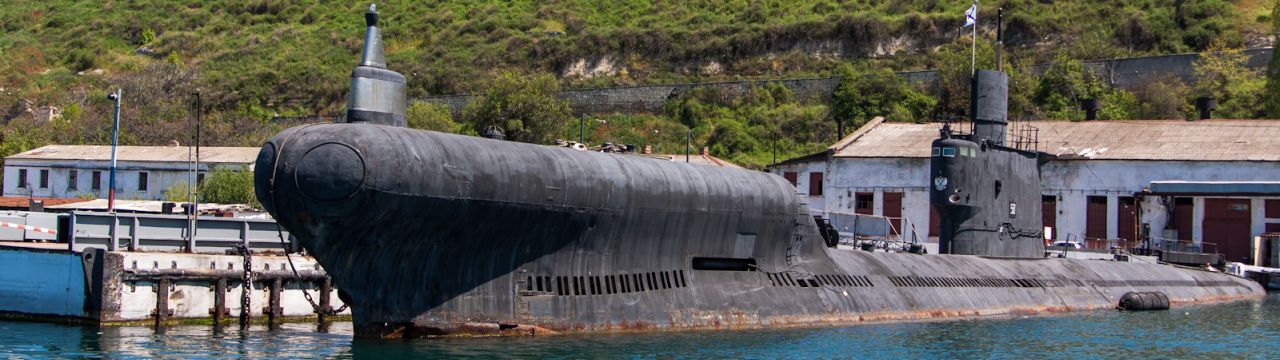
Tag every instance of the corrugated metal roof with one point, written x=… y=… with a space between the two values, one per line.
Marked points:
x=1207 y=140
x=237 y=155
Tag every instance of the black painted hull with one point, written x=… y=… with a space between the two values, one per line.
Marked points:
x=440 y=234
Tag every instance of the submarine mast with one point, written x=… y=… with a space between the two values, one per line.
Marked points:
x=377 y=94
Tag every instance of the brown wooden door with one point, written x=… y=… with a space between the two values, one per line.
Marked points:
x=1182 y=210
x=893 y=210
x=1095 y=222
x=1226 y=224
x=790 y=176
x=1049 y=213
x=1127 y=221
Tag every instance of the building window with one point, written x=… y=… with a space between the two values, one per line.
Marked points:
x=1272 y=209
x=863 y=203
x=790 y=176
x=815 y=184
x=142 y=181
x=97 y=181
x=200 y=179
x=22 y=178
x=44 y=178
x=73 y=180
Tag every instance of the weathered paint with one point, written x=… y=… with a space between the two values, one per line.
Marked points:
x=39 y=282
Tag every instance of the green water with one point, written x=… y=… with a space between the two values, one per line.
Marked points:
x=1246 y=329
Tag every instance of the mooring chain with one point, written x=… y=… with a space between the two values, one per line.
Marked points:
x=271 y=194
x=247 y=284
x=306 y=294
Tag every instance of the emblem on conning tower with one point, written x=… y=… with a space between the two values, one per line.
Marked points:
x=940 y=183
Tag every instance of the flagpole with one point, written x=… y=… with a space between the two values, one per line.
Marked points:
x=973 y=56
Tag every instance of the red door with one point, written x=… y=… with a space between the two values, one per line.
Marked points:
x=1182 y=210
x=1128 y=221
x=1226 y=226
x=1095 y=223
x=893 y=210
x=1049 y=213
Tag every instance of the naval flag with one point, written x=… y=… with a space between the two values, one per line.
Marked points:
x=971 y=16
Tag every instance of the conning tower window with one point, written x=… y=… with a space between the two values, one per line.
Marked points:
x=949 y=152
x=936 y=151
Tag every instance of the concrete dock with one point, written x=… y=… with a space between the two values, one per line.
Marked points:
x=76 y=278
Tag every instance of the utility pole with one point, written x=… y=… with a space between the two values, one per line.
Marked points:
x=688 y=143
x=115 y=138
x=582 y=129
x=194 y=178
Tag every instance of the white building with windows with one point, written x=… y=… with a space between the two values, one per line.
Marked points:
x=1211 y=185
x=142 y=172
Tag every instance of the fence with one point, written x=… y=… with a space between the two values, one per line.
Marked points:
x=168 y=233
x=883 y=232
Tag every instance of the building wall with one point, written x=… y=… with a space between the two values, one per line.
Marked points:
x=1071 y=181
x=1074 y=181
x=159 y=177
x=817 y=204
x=908 y=176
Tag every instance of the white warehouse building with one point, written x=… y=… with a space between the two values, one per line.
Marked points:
x=142 y=172
x=1210 y=185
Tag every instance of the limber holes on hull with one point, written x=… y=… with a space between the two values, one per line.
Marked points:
x=605 y=284
x=921 y=281
x=661 y=280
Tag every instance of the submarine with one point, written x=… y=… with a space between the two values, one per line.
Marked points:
x=429 y=234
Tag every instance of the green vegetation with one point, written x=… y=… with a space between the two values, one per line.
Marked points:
x=228 y=186
x=1272 y=93
x=258 y=59
x=859 y=97
x=1223 y=76
x=524 y=107
x=223 y=185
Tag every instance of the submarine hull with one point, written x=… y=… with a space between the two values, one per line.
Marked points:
x=431 y=234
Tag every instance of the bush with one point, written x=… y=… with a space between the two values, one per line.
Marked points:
x=431 y=116
x=1271 y=101
x=1221 y=74
x=225 y=185
x=525 y=108
x=861 y=96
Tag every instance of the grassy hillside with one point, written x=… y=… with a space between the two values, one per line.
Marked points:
x=254 y=59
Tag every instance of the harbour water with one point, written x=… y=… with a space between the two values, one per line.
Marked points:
x=1245 y=329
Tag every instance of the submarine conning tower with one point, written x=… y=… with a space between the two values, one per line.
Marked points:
x=377 y=95
x=988 y=102
x=987 y=194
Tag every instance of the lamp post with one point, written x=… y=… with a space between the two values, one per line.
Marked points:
x=115 y=138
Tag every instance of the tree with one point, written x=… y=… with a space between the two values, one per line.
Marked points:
x=524 y=107
x=1223 y=74
x=1272 y=101
x=1063 y=87
x=861 y=96
x=225 y=185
